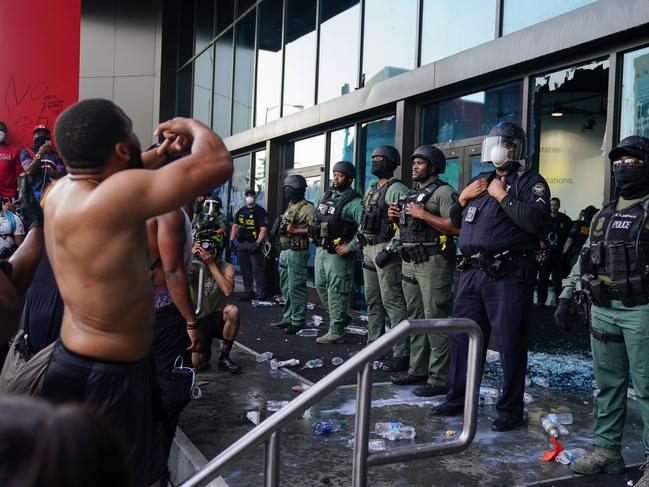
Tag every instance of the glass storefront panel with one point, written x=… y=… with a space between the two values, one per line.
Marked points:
x=339 y=31
x=341 y=147
x=567 y=130
x=202 y=103
x=374 y=133
x=243 y=5
x=240 y=182
x=185 y=32
x=453 y=171
x=471 y=115
x=305 y=153
x=518 y=14
x=222 y=94
x=299 y=63
x=184 y=92
x=244 y=61
x=204 y=24
x=224 y=15
x=269 y=62
x=441 y=38
x=389 y=43
x=634 y=119
x=260 y=175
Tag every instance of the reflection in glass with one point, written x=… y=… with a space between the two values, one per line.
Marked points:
x=224 y=15
x=240 y=182
x=313 y=189
x=339 y=31
x=519 y=14
x=185 y=32
x=441 y=38
x=203 y=86
x=453 y=172
x=567 y=129
x=389 y=43
x=477 y=166
x=471 y=115
x=222 y=94
x=299 y=64
x=184 y=92
x=634 y=119
x=307 y=152
x=377 y=132
x=204 y=24
x=243 y=5
x=260 y=176
x=243 y=73
x=269 y=62
x=341 y=147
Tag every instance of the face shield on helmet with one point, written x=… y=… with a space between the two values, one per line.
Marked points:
x=211 y=207
x=499 y=150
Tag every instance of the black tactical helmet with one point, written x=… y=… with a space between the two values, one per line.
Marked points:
x=634 y=145
x=505 y=142
x=345 y=167
x=389 y=152
x=295 y=181
x=433 y=155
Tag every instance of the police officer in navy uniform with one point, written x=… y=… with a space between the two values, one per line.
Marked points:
x=500 y=215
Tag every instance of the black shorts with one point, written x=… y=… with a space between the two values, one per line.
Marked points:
x=122 y=392
x=211 y=326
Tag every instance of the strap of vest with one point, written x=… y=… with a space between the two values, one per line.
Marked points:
x=384 y=191
x=300 y=204
x=431 y=188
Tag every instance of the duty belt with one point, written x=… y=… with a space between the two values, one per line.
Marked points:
x=295 y=244
x=419 y=253
x=496 y=264
x=372 y=240
x=604 y=337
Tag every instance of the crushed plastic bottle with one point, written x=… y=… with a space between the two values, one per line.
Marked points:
x=260 y=304
x=566 y=457
x=307 y=332
x=337 y=361
x=492 y=356
x=328 y=426
x=527 y=398
x=394 y=431
x=275 y=364
x=313 y=364
x=541 y=381
x=377 y=365
x=549 y=426
x=561 y=418
x=356 y=330
x=317 y=320
x=489 y=395
x=262 y=357
x=272 y=406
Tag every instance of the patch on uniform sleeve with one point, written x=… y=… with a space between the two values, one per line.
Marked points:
x=538 y=189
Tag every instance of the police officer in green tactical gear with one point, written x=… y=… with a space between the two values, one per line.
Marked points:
x=333 y=230
x=381 y=255
x=428 y=254
x=613 y=272
x=292 y=230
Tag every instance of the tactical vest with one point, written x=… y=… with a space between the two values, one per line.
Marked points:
x=298 y=242
x=414 y=230
x=619 y=251
x=374 y=218
x=248 y=227
x=327 y=224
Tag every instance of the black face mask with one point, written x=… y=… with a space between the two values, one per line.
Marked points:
x=382 y=169
x=135 y=157
x=39 y=140
x=632 y=181
x=293 y=195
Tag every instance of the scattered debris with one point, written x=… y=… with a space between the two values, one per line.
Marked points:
x=630 y=393
x=394 y=431
x=356 y=330
x=527 y=398
x=566 y=457
x=313 y=364
x=272 y=406
x=262 y=357
x=450 y=434
x=541 y=381
x=377 y=365
x=562 y=418
x=489 y=395
x=549 y=455
x=254 y=416
x=310 y=306
x=317 y=320
x=376 y=444
x=337 y=361
x=492 y=356
x=298 y=388
x=279 y=299
x=260 y=304
x=328 y=426
x=307 y=332
x=275 y=364
x=363 y=318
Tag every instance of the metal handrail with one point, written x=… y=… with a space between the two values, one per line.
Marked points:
x=268 y=430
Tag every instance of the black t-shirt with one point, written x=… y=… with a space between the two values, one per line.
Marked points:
x=556 y=231
x=250 y=220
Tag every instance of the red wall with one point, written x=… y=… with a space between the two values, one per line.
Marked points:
x=39 y=63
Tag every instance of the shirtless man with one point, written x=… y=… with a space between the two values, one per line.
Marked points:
x=96 y=240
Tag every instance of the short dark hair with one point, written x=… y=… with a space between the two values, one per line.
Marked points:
x=554 y=198
x=87 y=132
x=2 y=124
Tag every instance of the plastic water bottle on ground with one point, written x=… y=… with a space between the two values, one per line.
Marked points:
x=328 y=426
x=492 y=356
x=561 y=418
x=337 y=361
x=356 y=330
x=317 y=320
x=313 y=364
x=527 y=398
x=274 y=364
x=260 y=304
x=262 y=357
x=394 y=431
x=528 y=381
x=489 y=394
x=307 y=332
x=549 y=426
x=566 y=457
x=541 y=381
x=377 y=365
x=272 y=406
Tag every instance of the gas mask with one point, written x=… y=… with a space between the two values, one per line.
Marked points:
x=250 y=200
x=211 y=207
x=3 y=136
x=382 y=168
x=632 y=177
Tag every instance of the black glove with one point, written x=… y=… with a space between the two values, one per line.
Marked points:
x=28 y=206
x=255 y=249
x=383 y=257
x=562 y=313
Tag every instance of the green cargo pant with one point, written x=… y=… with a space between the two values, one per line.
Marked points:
x=292 y=281
x=611 y=363
x=383 y=294
x=427 y=290
x=334 y=276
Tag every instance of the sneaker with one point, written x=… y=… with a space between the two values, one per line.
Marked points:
x=408 y=380
x=396 y=364
x=227 y=365
x=429 y=390
x=280 y=325
x=447 y=409
x=246 y=297
x=599 y=460
x=293 y=329
x=330 y=338
x=506 y=424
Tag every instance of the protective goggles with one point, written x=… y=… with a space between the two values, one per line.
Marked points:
x=628 y=161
